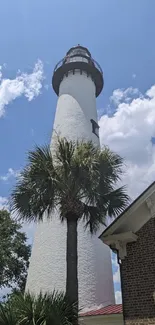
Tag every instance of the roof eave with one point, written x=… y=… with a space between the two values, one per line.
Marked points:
x=144 y=197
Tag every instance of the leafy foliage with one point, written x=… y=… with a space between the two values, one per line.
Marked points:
x=27 y=309
x=78 y=177
x=14 y=253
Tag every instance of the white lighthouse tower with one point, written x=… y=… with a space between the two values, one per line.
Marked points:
x=77 y=80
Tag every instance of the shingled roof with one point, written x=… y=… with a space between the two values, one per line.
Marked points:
x=108 y=310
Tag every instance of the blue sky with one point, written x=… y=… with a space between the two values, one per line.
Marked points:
x=118 y=33
x=120 y=36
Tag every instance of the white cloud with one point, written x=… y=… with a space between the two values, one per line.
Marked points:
x=134 y=76
x=3 y=203
x=116 y=276
x=151 y=92
x=118 y=297
x=114 y=260
x=25 y=84
x=128 y=132
x=123 y=94
x=11 y=173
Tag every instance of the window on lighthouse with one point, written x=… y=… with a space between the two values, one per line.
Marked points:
x=95 y=128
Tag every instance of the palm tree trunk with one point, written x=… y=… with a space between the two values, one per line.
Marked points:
x=72 y=261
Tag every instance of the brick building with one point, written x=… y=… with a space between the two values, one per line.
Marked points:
x=132 y=236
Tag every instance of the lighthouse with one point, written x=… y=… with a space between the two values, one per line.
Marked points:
x=77 y=81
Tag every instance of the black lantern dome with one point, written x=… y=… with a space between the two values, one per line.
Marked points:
x=78 y=58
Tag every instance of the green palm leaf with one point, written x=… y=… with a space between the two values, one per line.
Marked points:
x=49 y=309
x=74 y=172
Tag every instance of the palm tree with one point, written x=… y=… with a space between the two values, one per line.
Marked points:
x=53 y=309
x=80 y=179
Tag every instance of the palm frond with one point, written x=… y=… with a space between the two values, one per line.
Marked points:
x=44 y=309
x=94 y=218
x=74 y=172
x=118 y=200
x=64 y=151
x=7 y=316
x=100 y=174
x=36 y=190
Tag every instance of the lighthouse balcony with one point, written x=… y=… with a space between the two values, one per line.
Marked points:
x=81 y=61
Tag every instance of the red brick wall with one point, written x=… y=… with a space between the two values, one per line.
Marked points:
x=138 y=278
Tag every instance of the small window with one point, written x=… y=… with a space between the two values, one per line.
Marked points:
x=95 y=128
